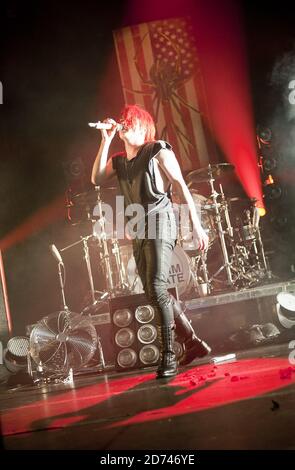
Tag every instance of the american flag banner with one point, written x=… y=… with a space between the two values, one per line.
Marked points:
x=159 y=71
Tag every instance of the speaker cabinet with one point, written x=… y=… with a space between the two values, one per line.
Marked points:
x=134 y=332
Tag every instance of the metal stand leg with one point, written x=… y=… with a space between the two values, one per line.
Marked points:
x=88 y=266
x=205 y=271
x=112 y=288
x=123 y=284
x=62 y=285
x=220 y=230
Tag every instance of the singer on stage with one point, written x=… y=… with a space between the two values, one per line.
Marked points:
x=146 y=170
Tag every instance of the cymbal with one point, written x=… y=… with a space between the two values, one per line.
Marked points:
x=108 y=188
x=217 y=170
x=89 y=197
x=238 y=199
x=242 y=199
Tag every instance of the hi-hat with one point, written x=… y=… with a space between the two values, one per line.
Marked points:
x=203 y=175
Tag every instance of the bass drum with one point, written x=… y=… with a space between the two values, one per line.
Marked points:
x=180 y=274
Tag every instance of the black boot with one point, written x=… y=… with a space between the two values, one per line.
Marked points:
x=168 y=362
x=194 y=346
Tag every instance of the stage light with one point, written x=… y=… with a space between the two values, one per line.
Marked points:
x=16 y=353
x=74 y=169
x=135 y=339
x=273 y=191
x=149 y=354
x=127 y=358
x=147 y=334
x=122 y=318
x=286 y=309
x=269 y=180
x=265 y=135
x=144 y=313
x=133 y=329
x=124 y=337
x=136 y=345
x=261 y=211
x=269 y=164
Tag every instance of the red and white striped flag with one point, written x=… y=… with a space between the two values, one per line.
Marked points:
x=159 y=71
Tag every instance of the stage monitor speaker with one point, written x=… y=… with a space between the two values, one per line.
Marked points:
x=134 y=332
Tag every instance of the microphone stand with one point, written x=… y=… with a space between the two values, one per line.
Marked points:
x=88 y=266
x=62 y=285
x=62 y=282
x=84 y=241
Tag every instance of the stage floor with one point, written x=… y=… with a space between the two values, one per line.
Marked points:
x=245 y=404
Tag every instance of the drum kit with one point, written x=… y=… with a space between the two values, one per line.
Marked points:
x=235 y=258
x=242 y=261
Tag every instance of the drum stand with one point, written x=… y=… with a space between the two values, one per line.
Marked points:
x=95 y=302
x=122 y=287
x=220 y=231
x=201 y=281
x=99 y=298
x=240 y=271
x=264 y=261
x=62 y=285
x=61 y=278
x=243 y=258
x=249 y=257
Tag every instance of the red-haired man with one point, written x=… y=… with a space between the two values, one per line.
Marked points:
x=146 y=171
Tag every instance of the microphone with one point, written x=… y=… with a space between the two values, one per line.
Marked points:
x=56 y=254
x=105 y=125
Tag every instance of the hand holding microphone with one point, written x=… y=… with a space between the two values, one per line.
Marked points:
x=105 y=125
x=108 y=127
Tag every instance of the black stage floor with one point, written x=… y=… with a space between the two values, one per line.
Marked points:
x=245 y=404
x=248 y=403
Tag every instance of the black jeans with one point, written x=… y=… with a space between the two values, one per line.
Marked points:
x=153 y=261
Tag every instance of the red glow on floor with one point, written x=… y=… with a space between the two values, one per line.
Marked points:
x=63 y=409
x=207 y=387
x=197 y=389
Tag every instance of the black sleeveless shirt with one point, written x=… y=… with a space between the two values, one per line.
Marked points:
x=138 y=185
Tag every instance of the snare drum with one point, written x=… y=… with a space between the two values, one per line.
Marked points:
x=180 y=275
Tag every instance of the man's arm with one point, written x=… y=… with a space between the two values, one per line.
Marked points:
x=102 y=167
x=170 y=166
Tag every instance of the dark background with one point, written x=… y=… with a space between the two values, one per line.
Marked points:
x=55 y=58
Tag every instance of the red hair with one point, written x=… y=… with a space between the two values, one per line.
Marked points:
x=132 y=113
